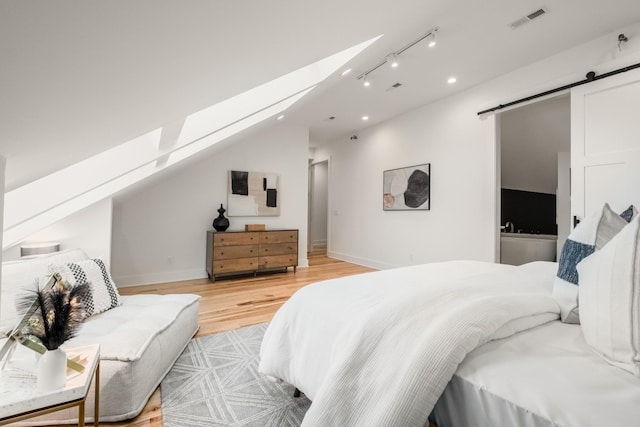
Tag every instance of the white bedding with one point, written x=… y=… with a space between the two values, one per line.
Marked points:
x=378 y=349
x=544 y=377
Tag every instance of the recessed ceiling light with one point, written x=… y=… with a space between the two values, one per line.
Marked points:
x=280 y=117
x=345 y=72
x=365 y=117
x=451 y=80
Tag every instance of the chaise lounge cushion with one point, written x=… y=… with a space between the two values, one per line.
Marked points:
x=139 y=342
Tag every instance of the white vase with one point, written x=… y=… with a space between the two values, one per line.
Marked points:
x=52 y=370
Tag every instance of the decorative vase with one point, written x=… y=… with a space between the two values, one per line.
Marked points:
x=52 y=370
x=221 y=223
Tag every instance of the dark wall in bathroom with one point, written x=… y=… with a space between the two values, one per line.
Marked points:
x=528 y=211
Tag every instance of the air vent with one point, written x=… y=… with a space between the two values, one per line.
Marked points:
x=530 y=17
x=394 y=86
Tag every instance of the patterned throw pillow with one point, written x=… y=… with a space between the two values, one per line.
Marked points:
x=629 y=213
x=104 y=293
x=588 y=236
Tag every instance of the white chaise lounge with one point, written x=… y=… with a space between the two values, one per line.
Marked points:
x=139 y=340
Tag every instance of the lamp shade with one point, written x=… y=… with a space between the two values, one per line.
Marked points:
x=34 y=249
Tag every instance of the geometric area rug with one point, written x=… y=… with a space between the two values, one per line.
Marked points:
x=215 y=382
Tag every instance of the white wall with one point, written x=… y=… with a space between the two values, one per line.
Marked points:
x=159 y=231
x=89 y=229
x=460 y=146
x=319 y=206
x=462 y=161
x=531 y=138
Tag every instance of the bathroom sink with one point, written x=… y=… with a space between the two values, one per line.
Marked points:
x=520 y=248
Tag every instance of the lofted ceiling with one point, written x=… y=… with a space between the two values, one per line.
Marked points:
x=79 y=77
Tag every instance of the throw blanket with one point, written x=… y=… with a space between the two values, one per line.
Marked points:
x=378 y=349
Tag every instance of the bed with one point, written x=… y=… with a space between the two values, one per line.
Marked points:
x=468 y=343
x=546 y=376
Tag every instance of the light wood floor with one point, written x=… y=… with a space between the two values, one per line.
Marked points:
x=232 y=303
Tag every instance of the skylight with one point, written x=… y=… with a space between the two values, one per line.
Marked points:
x=34 y=206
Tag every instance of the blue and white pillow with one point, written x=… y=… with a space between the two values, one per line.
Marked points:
x=104 y=293
x=629 y=213
x=588 y=236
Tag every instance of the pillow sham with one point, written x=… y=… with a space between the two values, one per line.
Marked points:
x=610 y=299
x=104 y=293
x=587 y=237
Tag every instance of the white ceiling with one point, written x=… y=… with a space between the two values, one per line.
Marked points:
x=78 y=77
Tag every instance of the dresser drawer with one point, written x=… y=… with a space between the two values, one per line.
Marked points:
x=279 y=236
x=279 y=249
x=234 y=265
x=277 y=261
x=230 y=252
x=235 y=239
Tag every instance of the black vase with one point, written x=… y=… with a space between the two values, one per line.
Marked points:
x=221 y=223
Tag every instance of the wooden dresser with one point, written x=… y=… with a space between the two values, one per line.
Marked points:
x=232 y=252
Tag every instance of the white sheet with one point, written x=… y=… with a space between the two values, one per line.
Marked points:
x=543 y=377
x=378 y=349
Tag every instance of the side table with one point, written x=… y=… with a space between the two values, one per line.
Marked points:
x=20 y=399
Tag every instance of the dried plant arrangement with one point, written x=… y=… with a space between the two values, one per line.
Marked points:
x=57 y=315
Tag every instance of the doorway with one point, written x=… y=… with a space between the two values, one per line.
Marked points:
x=533 y=188
x=318 y=206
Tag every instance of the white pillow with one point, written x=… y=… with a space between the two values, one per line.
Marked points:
x=610 y=299
x=104 y=293
x=24 y=275
x=590 y=235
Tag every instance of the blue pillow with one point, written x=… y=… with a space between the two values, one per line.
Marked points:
x=586 y=238
x=629 y=213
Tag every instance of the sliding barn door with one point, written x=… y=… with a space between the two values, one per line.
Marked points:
x=605 y=144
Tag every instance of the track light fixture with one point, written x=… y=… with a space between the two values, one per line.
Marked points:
x=392 y=58
x=432 y=38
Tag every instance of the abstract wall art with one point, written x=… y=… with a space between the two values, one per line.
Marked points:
x=407 y=188
x=253 y=194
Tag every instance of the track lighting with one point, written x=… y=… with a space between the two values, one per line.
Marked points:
x=432 y=38
x=392 y=58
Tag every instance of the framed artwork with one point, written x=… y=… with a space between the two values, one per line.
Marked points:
x=407 y=189
x=253 y=194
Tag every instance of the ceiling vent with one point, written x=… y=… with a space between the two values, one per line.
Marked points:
x=394 y=86
x=530 y=17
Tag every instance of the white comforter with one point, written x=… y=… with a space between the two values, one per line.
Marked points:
x=378 y=349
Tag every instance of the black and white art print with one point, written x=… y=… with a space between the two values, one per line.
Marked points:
x=407 y=188
x=253 y=194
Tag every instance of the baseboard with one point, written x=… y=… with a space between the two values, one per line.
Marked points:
x=361 y=261
x=149 y=279
x=172 y=276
